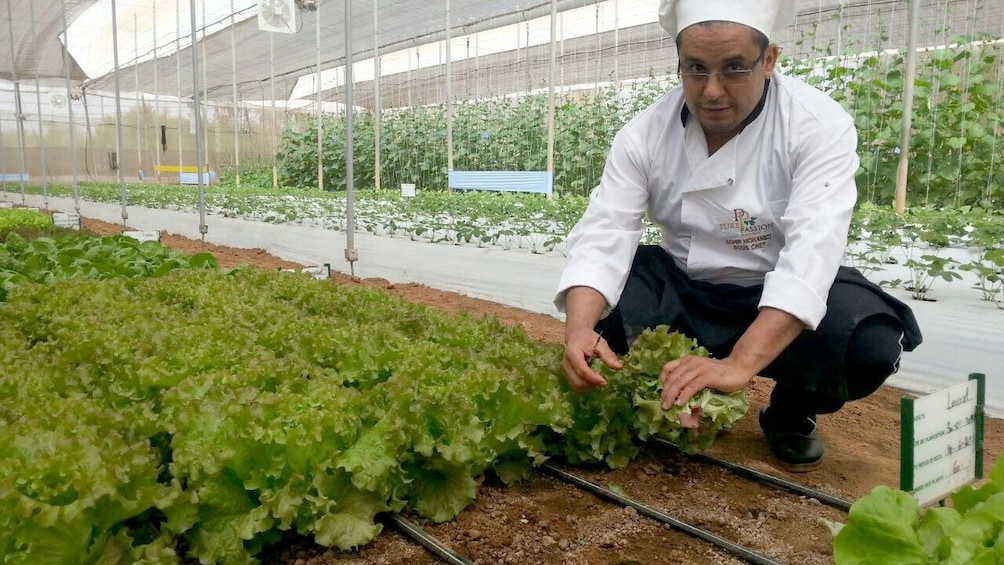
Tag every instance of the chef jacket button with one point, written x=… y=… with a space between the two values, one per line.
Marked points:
x=826 y=184
x=730 y=181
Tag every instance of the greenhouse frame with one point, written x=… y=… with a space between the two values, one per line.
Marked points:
x=176 y=392
x=130 y=110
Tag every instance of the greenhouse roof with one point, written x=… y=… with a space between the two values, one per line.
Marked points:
x=163 y=27
x=30 y=50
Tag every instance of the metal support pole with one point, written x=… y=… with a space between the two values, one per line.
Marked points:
x=407 y=77
x=69 y=109
x=275 y=134
x=617 y=39
x=449 y=92
x=233 y=61
x=19 y=119
x=18 y=110
x=140 y=106
x=91 y=163
x=599 y=52
x=904 y=137
x=377 y=111
x=320 y=117
x=351 y=253
x=550 y=87
x=156 y=96
x=177 y=55
x=38 y=114
x=203 y=109
x=203 y=228
x=118 y=114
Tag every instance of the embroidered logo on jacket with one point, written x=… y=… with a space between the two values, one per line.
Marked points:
x=748 y=234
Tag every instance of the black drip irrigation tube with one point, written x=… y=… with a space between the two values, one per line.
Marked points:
x=822 y=497
x=658 y=515
x=427 y=541
x=433 y=545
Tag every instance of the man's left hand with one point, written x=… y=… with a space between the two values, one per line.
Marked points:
x=683 y=378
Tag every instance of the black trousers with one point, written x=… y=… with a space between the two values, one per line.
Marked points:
x=854 y=349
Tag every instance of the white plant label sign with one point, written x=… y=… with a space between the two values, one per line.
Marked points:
x=942 y=440
x=319 y=272
x=68 y=220
x=143 y=235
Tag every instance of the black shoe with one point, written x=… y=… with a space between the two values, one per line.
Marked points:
x=793 y=440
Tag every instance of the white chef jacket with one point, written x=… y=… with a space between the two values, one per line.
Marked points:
x=772 y=206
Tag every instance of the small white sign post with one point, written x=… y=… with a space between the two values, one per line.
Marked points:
x=942 y=440
x=319 y=272
x=68 y=220
x=407 y=190
x=143 y=235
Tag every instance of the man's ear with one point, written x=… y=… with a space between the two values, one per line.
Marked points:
x=770 y=58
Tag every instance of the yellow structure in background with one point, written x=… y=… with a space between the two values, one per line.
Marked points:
x=177 y=169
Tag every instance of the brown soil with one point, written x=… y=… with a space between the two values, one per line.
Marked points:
x=546 y=521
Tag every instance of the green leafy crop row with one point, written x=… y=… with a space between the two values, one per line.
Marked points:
x=70 y=255
x=922 y=236
x=955 y=149
x=13 y=218
x=956 y=123
x=213 y=411
x=491 y=135
x=122 y=430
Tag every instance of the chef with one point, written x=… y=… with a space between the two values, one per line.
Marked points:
x=749 y=174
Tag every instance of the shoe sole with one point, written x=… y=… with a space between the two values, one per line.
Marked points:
x=799 y=467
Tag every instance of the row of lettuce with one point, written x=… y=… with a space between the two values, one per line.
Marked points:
x=955 y=151
x=155 y=409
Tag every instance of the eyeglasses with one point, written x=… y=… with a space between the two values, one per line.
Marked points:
x=731 y=76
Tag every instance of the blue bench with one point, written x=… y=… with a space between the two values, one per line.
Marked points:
x=13 y=177
x=504 y=181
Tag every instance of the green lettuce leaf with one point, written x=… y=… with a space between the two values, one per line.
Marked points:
x=881 y=529
x=888 y=526
x=969 y=496
x=718 y=411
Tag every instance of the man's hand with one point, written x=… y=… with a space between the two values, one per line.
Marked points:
x=683 y=378
x=761 y=343
x=583 y=308
x=581 y=348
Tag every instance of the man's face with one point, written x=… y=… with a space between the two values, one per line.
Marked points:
x=720 y=104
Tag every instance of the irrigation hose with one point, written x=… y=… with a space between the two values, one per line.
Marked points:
x=429 y=542
x=822 y=497
x=735 y=549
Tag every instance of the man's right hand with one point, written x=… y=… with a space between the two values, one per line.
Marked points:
x=581 y=347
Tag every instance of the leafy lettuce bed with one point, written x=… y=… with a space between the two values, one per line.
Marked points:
x=888 y=527
x=71 y=254
x=22 y=218
x=212 y=411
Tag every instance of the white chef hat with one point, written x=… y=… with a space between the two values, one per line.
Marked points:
x=765 y=16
